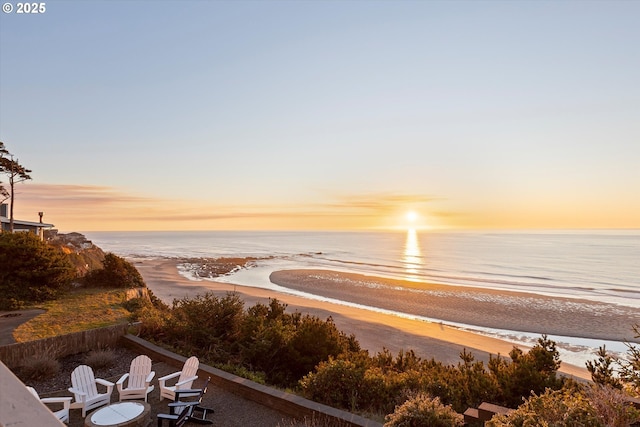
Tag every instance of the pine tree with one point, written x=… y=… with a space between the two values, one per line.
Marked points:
x=16 y=173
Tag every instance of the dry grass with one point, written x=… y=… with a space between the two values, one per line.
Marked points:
x=39 y=368
x=77 y=311
x=315 y=421
x=99 y=359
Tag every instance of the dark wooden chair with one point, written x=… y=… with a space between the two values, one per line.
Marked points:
x=190 y=410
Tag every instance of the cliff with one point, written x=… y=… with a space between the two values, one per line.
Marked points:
x=83 y=254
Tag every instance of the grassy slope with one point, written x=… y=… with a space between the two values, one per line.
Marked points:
x=77 y=311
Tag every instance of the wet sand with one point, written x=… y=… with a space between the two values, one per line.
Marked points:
x=495 y=309
x=373 y=330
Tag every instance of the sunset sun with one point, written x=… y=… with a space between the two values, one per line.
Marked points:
x=411 y=217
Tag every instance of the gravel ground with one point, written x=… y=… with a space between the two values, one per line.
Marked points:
x=230 y=409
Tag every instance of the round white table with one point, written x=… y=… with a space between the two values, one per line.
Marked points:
x=122 y=414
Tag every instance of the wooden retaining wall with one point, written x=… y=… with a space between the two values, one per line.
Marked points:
x=14 y=355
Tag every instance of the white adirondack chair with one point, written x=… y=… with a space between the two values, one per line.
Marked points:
x=139 y=383
x=186 y=377
x=61 y=414
x=84 y=388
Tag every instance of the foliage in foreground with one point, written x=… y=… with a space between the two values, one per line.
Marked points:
x=576 y=406
x=378 y=384
x=294 y=350
x=32 y=271
x=423 y=410
x=281 y=347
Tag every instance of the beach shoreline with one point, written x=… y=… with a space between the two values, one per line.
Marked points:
x=375 y=331
x=464 y=305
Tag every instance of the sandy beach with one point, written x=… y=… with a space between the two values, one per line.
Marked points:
x=495 y=309
x=373 y=330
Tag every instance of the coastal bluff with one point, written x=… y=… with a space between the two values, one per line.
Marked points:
x=83 y=254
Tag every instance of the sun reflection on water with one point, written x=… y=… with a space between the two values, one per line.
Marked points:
x=412 y=256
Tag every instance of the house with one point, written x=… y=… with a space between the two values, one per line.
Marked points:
x=20 y=225
x=18 y=407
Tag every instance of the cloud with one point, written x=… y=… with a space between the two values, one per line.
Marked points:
x=87 y=207
x=81 y=206
x=379 y=202
x=81 y=194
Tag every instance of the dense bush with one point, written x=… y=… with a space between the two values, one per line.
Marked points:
x=564 y=408
x=379 y=383
x=207 y=325
x=32 y=270
x=527 y=373
x=314 y=341
x=264 y=338
x=423 y=410
x=115 y=273
x=336 y=382
x=268 y=344
x=579 y=406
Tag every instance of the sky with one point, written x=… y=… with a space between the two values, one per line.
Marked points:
x=324 y=115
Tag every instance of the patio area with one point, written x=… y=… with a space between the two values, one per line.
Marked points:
x=236 y=401
x=230 y=409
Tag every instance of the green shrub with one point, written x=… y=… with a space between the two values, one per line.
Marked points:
x=289 y=349
x=115 y=273
x=266 y=332
x=32 y=270
x=336 y=382
x=527 y=373
x=313 y=341
x=207 y=325
x=383 y=381
x=153 y=318
x=423 y=410
x=284 y=347
x=381 y=391
x=553 y=408
x=469 y=384
x=288 y=346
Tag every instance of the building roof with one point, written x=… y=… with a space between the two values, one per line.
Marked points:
x=17 y=222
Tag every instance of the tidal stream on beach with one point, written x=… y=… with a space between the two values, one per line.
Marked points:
x=580 y=288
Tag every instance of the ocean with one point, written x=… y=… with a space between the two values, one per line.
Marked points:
x=601 y=265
